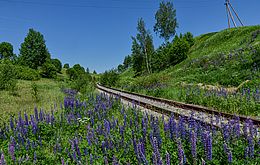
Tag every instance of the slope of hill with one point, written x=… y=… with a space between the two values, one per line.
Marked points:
x=222 y=71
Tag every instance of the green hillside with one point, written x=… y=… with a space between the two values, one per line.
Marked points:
x=221 y=71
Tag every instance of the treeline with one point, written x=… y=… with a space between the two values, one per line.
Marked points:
x=145 y=59
x=34 y=62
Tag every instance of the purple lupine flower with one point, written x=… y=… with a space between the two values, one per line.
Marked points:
x=226 y=133
x=74 y=156
x=230 y=157
x=246 y=152
x=106 y=161
x=225 y=147
x=168 y=158
x=28 y=144
x=2 y=161
x=154 y=159
x=237 y=126
x=180 y=153
x=209 y=145
x=251 y=146
x=141 y=153
x=181 y=128
x=107 y=126
x=114 y=162
x=11 y=150
x=90 y=159
x=11 y=123
x=62 y=161
x=156 y=150
x=194 y=144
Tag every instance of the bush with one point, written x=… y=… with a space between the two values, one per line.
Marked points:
x=58 y=65
x=178 y=51
x=109 y=78
x=7 y=77
x=48 y=70
x=82 y=83
x=26 y=73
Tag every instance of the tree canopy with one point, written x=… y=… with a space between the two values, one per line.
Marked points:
x=6 y=51
x=33 y=51
x=166 y=22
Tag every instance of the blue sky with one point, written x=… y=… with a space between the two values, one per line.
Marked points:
x=97 y=33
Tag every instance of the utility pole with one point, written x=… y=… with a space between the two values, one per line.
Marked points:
x=229 y=7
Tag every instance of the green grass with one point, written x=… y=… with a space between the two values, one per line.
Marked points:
x=222 y=59
x=49 y=93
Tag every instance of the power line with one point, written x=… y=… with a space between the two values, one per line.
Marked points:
x=199 y=4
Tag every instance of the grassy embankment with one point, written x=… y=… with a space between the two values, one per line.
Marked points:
x=49 y=94
x=221 y=72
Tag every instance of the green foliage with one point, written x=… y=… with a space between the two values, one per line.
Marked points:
x=48 y=70
x=120 y=68
x=75 y=72
x=109 y=78
x=58 y=65
x=26 y=73
x=127 y=62
x=189 y=38
x=94 y=72
x=6 y=51
x=227 y=60
x=145 y=42
x=178 y=51
x=66 y=66
x=83 y=83
x=7 y=77
x=33 y=51
x=137 y=57
x=166 y=22
x=160 y=60
x=256 y=57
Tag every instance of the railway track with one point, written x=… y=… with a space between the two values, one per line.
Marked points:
x=168 y=107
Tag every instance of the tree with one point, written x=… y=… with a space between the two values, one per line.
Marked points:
x=66 y=66
x=178 y=51
x=7 y=76
x=6 y=51
x=137 y=57
x=127 y=62
x=33 y=51
x=146 y=42
x=166 y=22
x=87 y=70
x=120 y=68
x=109 y=78
x=48 y=69
x=189 y=37
x=94 y=72
x=58 y=65
x=75 y=72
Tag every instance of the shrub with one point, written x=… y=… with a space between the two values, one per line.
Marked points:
x=109 y=78
x=82 y=83
x=178 y=51
x=26 y=73
x=48 y=70
x=58 y=65
x=7 y=77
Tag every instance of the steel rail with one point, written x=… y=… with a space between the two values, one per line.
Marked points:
x=177 y=105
